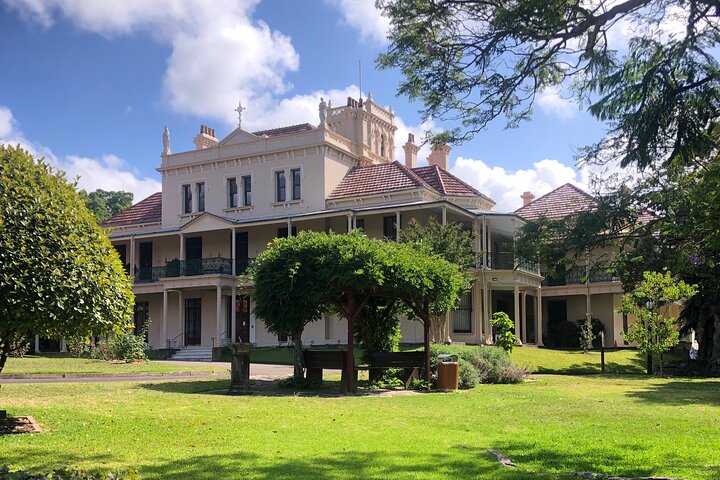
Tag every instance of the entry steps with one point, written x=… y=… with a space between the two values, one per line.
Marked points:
x=195 y=354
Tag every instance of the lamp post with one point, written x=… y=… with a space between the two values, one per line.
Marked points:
x=649 y=305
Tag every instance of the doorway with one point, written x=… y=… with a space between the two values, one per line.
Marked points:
x=193 y=321
x=193 y=256
x=242 y=318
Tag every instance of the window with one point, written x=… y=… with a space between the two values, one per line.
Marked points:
x=382 y=146
x=187 y=199
x=232 y=193
x=280 y=186
x=283 y=232
x=247 y=190
x=462 y=315
x=201 y=196
x=360 y=223
x=295 y=183
x=141 y=317
x=390 y=227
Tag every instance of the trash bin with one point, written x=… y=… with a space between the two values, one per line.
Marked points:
x=448 y=372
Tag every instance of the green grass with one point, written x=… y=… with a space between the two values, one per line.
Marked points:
x=63 y=363
x=621 y=425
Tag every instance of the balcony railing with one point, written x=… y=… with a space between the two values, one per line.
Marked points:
x=193 y=267
x=577 y=277
x=507 y=261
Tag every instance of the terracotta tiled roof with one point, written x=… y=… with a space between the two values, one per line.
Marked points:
x=145 y=211
x=446 y=183
x=370 y=179
x=565 y=200
x=276 y=132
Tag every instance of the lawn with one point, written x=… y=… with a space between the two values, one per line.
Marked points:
x=63 y=363
x=555 y=425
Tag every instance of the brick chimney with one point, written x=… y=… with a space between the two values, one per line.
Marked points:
x=440 y=156
x=411 y=151
x=206 y=138
x=527 y=197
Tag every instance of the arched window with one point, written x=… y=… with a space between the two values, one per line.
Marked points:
x=382 y=146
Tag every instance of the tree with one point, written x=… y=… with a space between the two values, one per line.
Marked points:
x=474 y=61
x=585 y=333
x=504 y=326
x=654 y=331
x=104 y=204
x=59 y=274
x=299 y=278
x=450 y=242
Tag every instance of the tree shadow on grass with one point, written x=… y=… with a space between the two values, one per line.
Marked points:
x=680 y=392
x=591 y=365
x=472 y=463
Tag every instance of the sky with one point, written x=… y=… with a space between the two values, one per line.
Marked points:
x=90 y=86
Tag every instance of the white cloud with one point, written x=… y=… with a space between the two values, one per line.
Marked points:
x=108 y=173
x=552 y=102
x=219 y=55
x=505 y=186
x=364 y=17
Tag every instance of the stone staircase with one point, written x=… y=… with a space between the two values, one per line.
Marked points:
x=195 y=354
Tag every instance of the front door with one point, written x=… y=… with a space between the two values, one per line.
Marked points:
x=242 y=318
x=192 y=321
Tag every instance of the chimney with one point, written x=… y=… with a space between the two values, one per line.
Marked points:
x=527 y=197
x=411 y=151
x=206 y=138
x=440 y=156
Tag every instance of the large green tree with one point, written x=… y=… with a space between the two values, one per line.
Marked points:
x=475 y=61
x=106 y=203
x=59 y=274
x=300 y=278
x=451 y=242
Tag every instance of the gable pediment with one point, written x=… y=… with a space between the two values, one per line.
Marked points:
x=206 y=222
x=238 y=137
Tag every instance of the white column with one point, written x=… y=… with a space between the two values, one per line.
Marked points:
x=486 y=310
x=63 y=345
x=165 y=319
x=232 y=251
x=181 y=319
x=132 y=257
x=218 y=314
x=289 y=223
x=524 y=316
x=397 y=226
x=516 y=313
x=538 y=319
x=349 y=223
x=484 y=242
x=37 y=344
x=182 y=247
x=233 y=316
x=444 y=215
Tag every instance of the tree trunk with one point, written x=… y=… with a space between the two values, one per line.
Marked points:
x=649 y=364
x=299 y=363
x=714 y=363
x=3 y=359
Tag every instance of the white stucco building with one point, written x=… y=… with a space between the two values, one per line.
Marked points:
x=223 y=202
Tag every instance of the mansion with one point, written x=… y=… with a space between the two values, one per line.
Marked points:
x=223 y=202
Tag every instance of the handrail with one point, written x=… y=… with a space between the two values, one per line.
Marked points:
x=174 y=339
x=212 y=339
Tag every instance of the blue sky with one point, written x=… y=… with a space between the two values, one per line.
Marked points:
x=91 y=85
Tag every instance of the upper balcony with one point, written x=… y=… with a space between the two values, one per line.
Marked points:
x=193 y=267
x=578 y=276
x=507 y=261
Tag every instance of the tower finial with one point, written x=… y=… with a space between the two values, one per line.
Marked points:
x=239 y=111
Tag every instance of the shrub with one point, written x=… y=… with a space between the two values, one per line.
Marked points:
x=65 y=474
x=19 y=349
x=480 y=365
x=77 y=346
x=504 y=326
x=126 y=346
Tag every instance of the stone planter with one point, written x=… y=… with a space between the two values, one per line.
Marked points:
x=240 y=368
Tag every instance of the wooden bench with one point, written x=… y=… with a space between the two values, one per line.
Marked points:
x=317 y=360
x=409 y=362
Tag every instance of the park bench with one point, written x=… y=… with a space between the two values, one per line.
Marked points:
x=317 y=360
x=409 y=362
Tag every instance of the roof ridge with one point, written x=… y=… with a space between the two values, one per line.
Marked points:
x=568 y=184
x=412 y=175
x=440 y=179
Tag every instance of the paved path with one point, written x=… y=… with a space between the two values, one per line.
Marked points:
x=257 y=372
